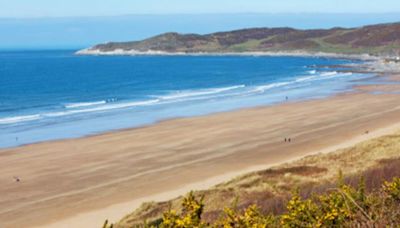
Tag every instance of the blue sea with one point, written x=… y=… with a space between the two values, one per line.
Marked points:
x=49 y=95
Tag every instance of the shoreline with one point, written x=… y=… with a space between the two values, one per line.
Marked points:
x=92 y=158
x=162 y=121
x=369 y=69
x=121 y=52
x=110 y=174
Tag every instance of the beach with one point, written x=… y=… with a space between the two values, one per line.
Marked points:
x=109 y=93
x=82 y=182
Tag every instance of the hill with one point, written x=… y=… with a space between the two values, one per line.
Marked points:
x=375 y=39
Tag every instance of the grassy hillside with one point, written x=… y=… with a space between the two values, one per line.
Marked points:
x=271 y=190
x=375 y=39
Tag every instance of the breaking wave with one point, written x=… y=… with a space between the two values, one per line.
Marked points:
x=173 y=97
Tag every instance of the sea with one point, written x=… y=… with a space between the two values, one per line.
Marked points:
x=52 y=95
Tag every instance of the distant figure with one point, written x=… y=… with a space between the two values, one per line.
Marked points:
x=366 y=132
x=289 y=139
x=287 y=98
x=17 y=179
x=285 y=139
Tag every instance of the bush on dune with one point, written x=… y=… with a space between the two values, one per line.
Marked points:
x=342 y=206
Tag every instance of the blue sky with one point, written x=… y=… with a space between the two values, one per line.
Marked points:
x=67 y=8
x=80 y=23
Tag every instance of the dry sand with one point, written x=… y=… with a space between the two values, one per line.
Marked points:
x=82 y=182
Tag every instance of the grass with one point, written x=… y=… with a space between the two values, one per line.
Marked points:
x=377 y=160
x=250 y=45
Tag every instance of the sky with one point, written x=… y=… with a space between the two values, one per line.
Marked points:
x=73 y=8
x=60 y=24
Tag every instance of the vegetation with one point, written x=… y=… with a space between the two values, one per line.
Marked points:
x=343 y=206
x=375 y=39
x=267 y=196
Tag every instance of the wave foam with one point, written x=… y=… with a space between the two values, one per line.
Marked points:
x=84 y=104
x=312 y=72
x=329 y=73
x=195 y=93
x=315 y=76
x=179 y=96
x=17 y=119
x=104 y=108
x=263 y=88
x=26 y=118
x=307 y=78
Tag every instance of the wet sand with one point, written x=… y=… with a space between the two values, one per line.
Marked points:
x=81 y=182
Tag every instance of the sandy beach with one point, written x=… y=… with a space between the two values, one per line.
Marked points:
x=81 y=182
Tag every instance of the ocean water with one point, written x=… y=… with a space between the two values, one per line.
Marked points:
x=49 y=95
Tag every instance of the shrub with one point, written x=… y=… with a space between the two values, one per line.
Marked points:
x=190 y=216
x=393 y=189
x=343 y=206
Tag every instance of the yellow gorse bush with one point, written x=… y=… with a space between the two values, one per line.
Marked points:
x=190 y=216
x=300 y=213
x=251 y=217
x=393 y=189
x=342 y=206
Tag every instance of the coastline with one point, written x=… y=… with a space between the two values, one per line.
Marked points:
x=121 y=131
x=47 y=125
x=119 y=168
x=121 y=52
x=106 y=176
